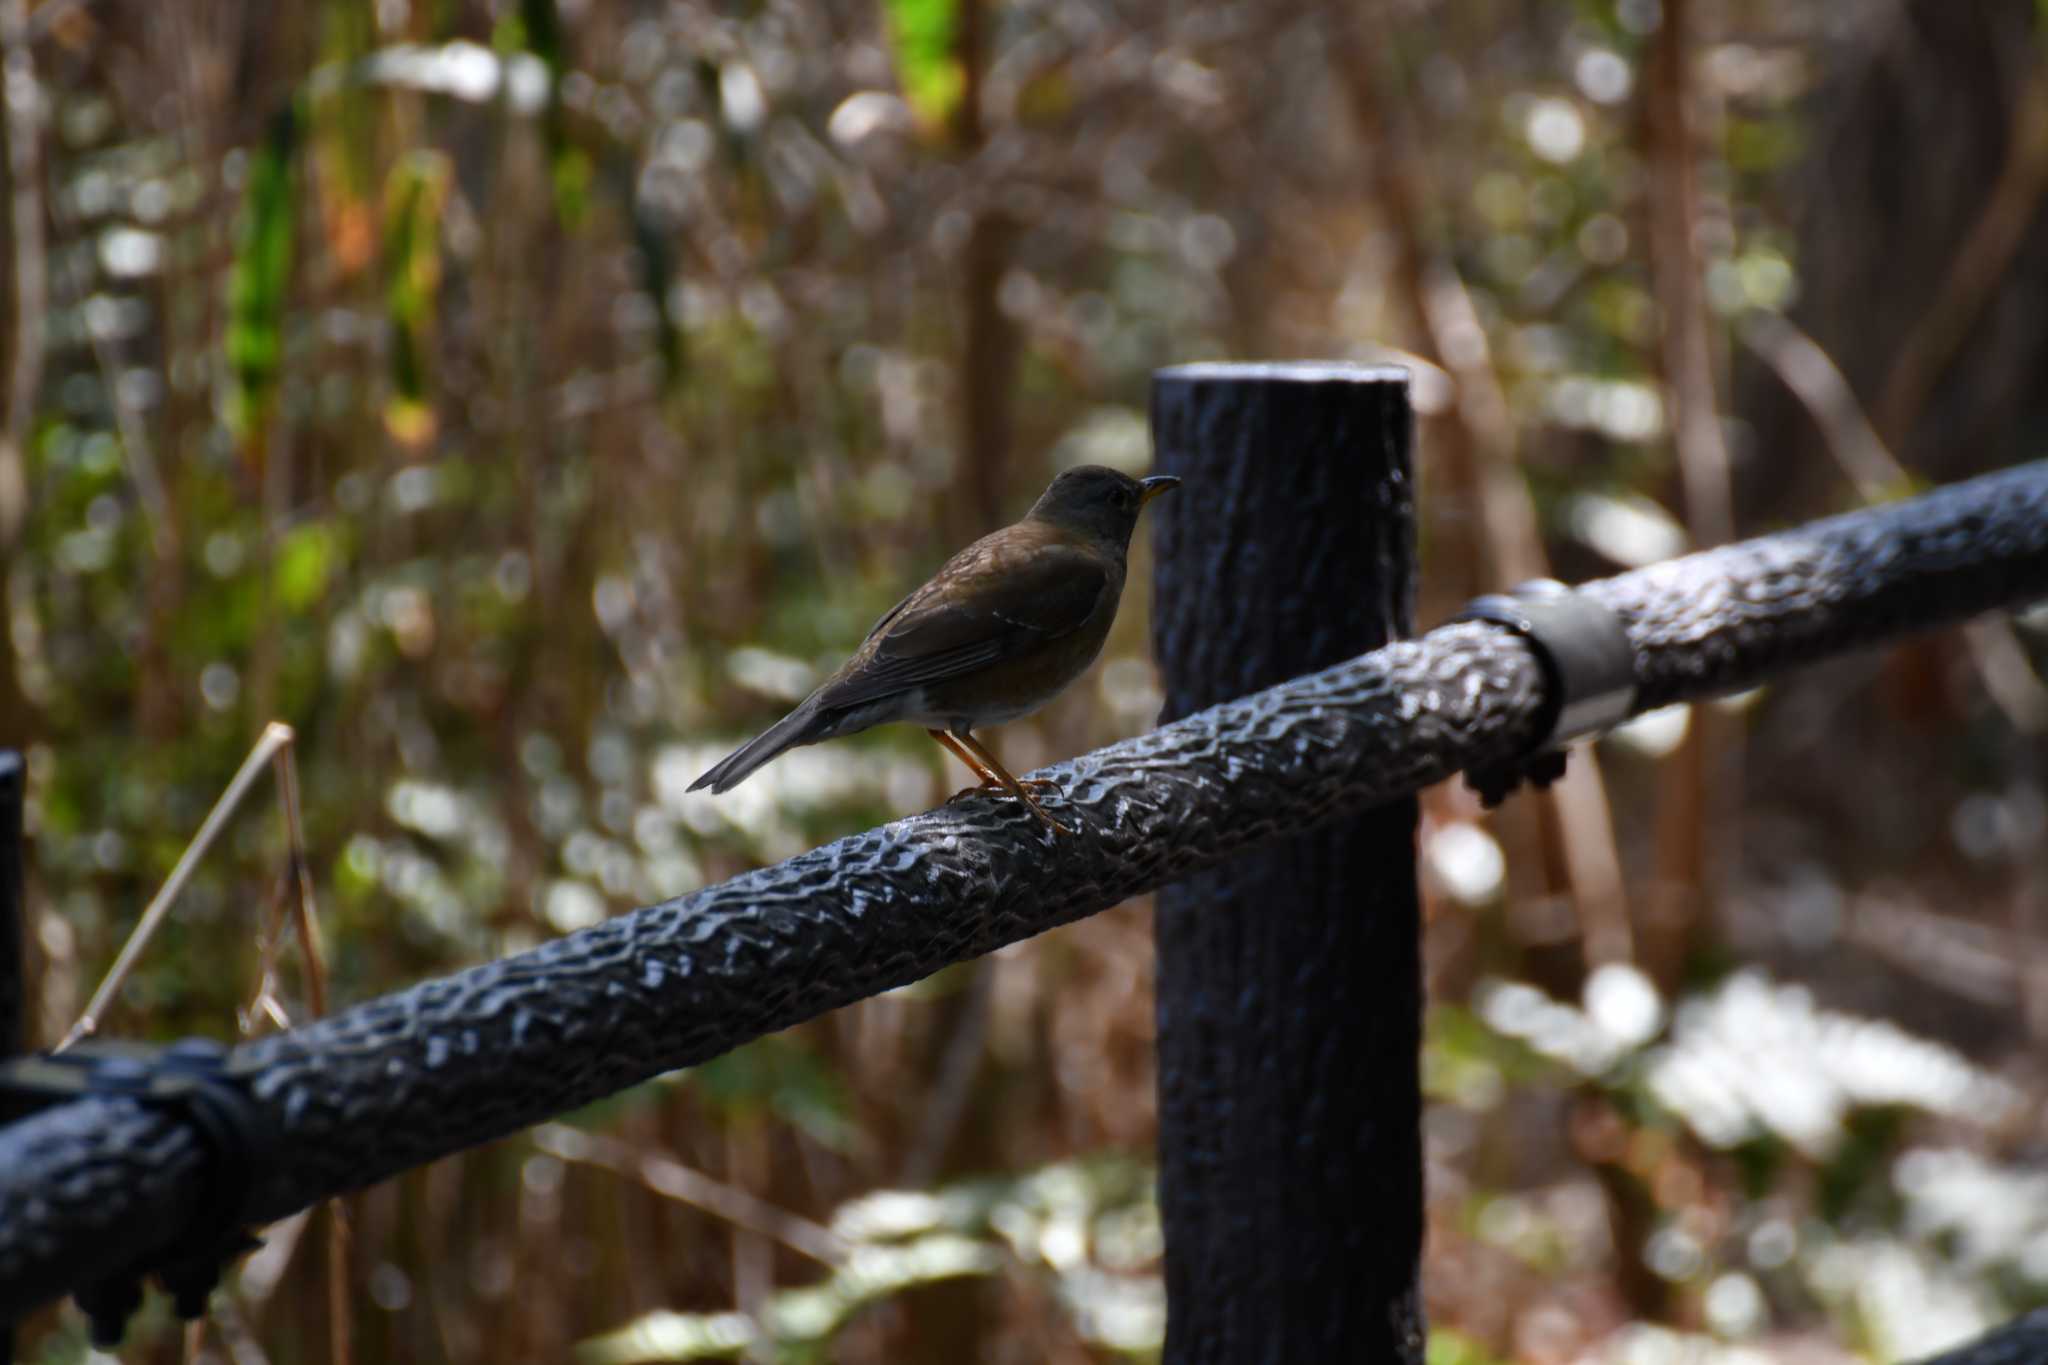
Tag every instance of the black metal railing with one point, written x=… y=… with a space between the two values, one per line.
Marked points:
x=95 y=1187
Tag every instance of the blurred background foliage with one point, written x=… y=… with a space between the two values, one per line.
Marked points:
x=525 y=399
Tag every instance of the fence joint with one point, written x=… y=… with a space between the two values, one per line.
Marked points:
x=195 y=1079
x=1587 y=662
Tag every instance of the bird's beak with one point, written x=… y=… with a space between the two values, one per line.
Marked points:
x=1154 y=486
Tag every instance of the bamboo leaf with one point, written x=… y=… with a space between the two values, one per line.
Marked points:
x=921 y=36
x=260 y=278
x=415 y=196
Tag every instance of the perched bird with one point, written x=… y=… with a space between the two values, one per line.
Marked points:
x=998 y=632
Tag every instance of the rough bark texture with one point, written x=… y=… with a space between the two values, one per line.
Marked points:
x=1290 y=989
x=93 y=1185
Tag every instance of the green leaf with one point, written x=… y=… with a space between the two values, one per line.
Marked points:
x=345 y=125
x=306 y=561
x=414 y=198
x=260 y=278
x=538 y=29
x=921 y=33
x=1448 y=1346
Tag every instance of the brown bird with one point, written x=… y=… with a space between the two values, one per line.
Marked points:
x=1000 y=630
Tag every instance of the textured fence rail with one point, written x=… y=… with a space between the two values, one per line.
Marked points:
x=94 y=1186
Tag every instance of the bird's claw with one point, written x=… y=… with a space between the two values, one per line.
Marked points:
x=1028 y=783
x=1042 y=784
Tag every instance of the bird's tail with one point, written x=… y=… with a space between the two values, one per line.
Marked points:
x=801 y=726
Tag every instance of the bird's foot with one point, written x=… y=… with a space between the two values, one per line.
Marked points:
x=1025 y=786
x=990 y=786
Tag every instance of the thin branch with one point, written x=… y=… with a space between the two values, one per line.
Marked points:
x=340 y=1300
x=306 y=912
x=1806 y=369
x=275 y=736
x=958 y=1066
x=296 y=885
x=231 y=1328
x=23 y=113
x=1977 y=266
x=673 y=1180
x=137 y=451
x=1676 y=274
x=263 y=1272
x=989 y=338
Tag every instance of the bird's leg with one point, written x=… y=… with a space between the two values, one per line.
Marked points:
x=993 y=775
x=996 y=776
x=988 y=779
x=991 y=781
x=1020 y=790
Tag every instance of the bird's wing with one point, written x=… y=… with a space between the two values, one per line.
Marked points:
x=980 y=609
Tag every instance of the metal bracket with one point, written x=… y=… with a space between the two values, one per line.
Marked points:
x=1586 y=658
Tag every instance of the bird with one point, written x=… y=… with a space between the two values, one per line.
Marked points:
x=1001 y=629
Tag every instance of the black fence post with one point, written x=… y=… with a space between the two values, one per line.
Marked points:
x=1289 y=979
x=13 y=943
x=13 y=918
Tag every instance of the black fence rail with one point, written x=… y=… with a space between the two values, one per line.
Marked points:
x=94 y=1188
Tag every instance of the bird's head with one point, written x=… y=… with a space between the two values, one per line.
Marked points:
x=1099 y=503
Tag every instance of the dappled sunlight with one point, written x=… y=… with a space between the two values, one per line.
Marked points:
x=1757 y=1057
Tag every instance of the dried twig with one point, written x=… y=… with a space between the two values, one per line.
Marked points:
x=136 y=451
x=274 y=746
x=275 y=736
x=298 y=877
x=673 y=1180
x=1805 y=368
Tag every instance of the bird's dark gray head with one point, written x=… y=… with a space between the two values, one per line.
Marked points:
x=1099 y=503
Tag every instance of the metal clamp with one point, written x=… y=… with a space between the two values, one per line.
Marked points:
x=1587 y=661
x=192 y=1077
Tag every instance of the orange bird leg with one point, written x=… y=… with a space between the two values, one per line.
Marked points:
x=1020 y=790
x=988 y=779
x=992 y=773
x=998 y=780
